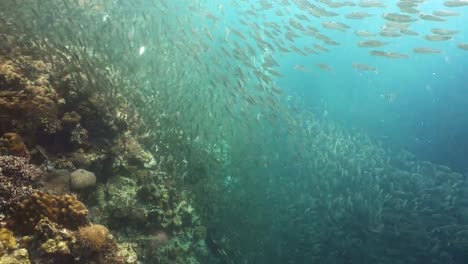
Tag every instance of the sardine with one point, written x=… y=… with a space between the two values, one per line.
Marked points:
x=423 y=50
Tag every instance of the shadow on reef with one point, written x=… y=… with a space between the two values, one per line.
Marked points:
x=60 y=145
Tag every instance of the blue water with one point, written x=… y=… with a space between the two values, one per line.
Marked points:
x=321 y=173
x=430 y=92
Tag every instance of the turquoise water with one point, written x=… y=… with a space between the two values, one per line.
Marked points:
x=323 y=164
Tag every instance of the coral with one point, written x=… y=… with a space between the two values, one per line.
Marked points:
x=90 y=243
x=71 y=119
x=9 y=76
x=50 y=126
x=118 y=199
x=19 y=256
x=55 y=241
x=82 y=179
x=28 y=103
x=13 y=144
x=16 y=179
x=65 y=210
x=7 y=241
x=126 y=252
x=95 y=238
x=92 y=159
x=96 y=242
x=168 y=209
x=79 y=136
x=52 y=246
x=131 y=152
x=180 y=249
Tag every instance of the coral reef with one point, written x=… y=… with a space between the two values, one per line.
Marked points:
x=56 y=120
x=91 y=243
x=9 y=249
x=70 y=119
x=19 y=256
x=126 y=252
x=56 y=181
x=132 y=153
x=12 y=144
x=97 y=242
x=7 y=241
x=94 y=237
x=174 y=234
x=16 y=180
x=65 y=210
x=28 y=103
x=82 y=179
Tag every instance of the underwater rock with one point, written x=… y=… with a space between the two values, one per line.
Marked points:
x=81 y=159
x=82 y=179
x=12 y=144
x=16 y=180
x=56 y=181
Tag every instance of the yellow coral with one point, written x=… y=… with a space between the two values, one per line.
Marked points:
x=7 y=241
x=52 y=246
x=19 y=256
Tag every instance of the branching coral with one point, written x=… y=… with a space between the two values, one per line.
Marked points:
x=16 y=179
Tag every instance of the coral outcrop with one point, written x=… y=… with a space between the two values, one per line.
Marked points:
x=172 y=227
x=65 y=210
x=58 y=137
x=82 y=179
x=28 y=103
